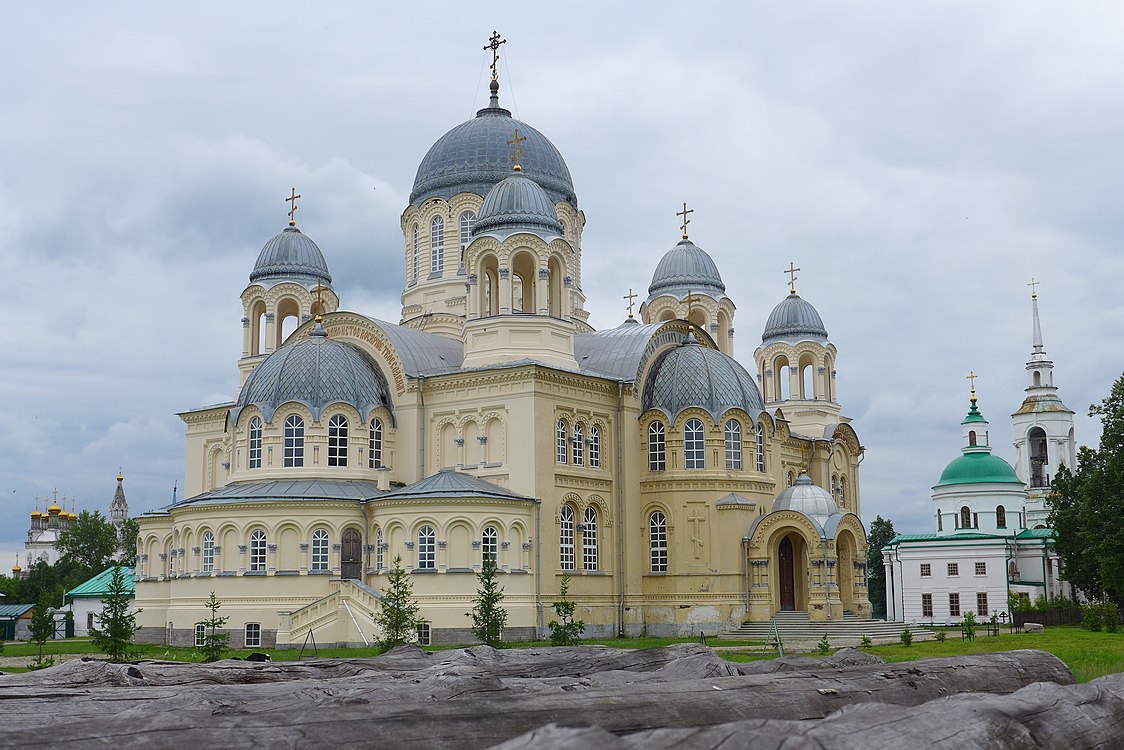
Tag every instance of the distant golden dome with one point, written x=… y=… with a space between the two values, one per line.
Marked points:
x=54 y=510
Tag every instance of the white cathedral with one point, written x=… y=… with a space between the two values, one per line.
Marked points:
x=493 y=421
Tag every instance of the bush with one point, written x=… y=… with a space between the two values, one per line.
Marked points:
x=1097 y=617
x=866 y=643
x=565 y=631
x=823 y=646
x=969 y=625
x=907 y=636
x=941 y=636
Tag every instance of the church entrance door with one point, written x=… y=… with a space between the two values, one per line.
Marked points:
x=350 y=554
x=787 y=576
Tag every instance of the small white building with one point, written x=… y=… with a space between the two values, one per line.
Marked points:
x=86 y=599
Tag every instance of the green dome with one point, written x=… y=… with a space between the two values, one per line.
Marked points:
x=978 y=468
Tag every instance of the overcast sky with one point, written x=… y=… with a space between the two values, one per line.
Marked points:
x=919 y=161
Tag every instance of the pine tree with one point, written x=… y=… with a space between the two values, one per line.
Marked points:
x=488 y=614
x=42 y=630
x=214 y=642
x=565 y=631
x=398 y=615
x=881 y=532
x=118 y=622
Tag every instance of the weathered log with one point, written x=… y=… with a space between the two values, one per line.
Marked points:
x=462 y=705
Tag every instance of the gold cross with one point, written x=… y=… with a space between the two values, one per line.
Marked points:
x=686 y=221
x=791 y=271
x=972 y=376
x=630 y=297
x=1034 y=287
x=319 y=301
x=518 y=148
x=292 y=199
x=494 y=45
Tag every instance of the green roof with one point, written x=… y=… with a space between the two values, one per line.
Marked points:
x=974 y=414
x=15 y=611
x=1037 y=534
x=978 y=467
x=98 y=586
x=968 y=536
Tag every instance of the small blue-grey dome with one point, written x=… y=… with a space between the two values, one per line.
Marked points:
x=794 y=319
x=315 y=371
x=291 y=255
x=517 y=202
x=807 y=498
x=686 y=267
x=475 y=155
x=694 y=375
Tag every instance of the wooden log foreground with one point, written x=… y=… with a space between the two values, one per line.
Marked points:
x=468 y=698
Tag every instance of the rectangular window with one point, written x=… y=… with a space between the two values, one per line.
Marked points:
x=926 y=570
x=657 y=542
x=425 y=635
x=427 y=549
x=761 y=449
x=89 y=621
x=954 y=569
x=694 y=456
x=981 y=603
x=954 y=605
x=337 y=441
x=656 y=447
x=981 y=569
x=253 y=635
x=926 y=605
x=200 y=635
x=940 y=522
x=595 y=447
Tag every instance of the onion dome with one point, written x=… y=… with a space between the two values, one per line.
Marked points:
x=978 y=467
x=291 y=255
x=475 y=155
x=16 y=569
x=693 y=375
x=794 y=319
x=517 y=203
x=807 y=498
x=54 y=510
x=315 y=371
x=36 y=513
x=686 y=267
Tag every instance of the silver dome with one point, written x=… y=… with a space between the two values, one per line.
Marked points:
x=517 y=202
x=693 y=375
x=317 y=372
x=809 y=499
x=291 y=255
x=686 y=267
x=794 y=319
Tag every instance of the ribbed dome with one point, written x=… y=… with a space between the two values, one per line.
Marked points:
x=315 y=371
x=290 y=255
x=475 y=155
x=978 y=467
x=517 y=202
x=686 y=267
x=693 y=375
x=794 y=318
x=807 y=498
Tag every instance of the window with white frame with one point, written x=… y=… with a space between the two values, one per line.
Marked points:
x=579 y=444
x=294 y=441
x=417 y=251
x=926 y=570
x=563 y=449
x=954 y=569
x=320 y=549
x=657 y=447
x=255 y=443
x=374 y=444
x=694 y=449
x=760 y=436
x=208 y=552
x=489 y=544
x=595 y=447
x=467 y=220
x=981 y=603
x=589 y=539
x=981 y=568
x=926 y=605
x=257 y=551
x=337 y=440
x=566 y=538
x=427 y=548
x=253 y=635
x=378 y=550
x=436 y=245
x=733 y=445
x=954 y=605
x=200 y=635
x=842 y=492
x=657 y=542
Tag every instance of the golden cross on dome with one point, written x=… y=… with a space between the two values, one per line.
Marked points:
x=631 y=296
x=494 y=45
x=518 y=148
x=791 y=271
x=972 y=376
x=684 y=213
x=319 y=301
x=1034 y=287
x=292 y=200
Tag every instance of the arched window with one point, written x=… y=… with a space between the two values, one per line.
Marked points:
x=208 y=552
x=965 y=517
x=379 y=547
x=656 y=447
x=417 y=251
x=972 y=438
x=733 y=445
x=427 y=548
x=791 y=479
x=257 y=551
x=436 y=246
x=320 y=549
x=467 y=220
x=489 y=544
x=1001 y=517
x=374 y=444
x=843 y=492
x=760 y=435
x=566 y=538
x=835 y=488
x=337 y=440
x=579 y=444
x=589 y=539
x=657 y=542
x=294 y=441
x=563 y=450
x=694 y=454
x=1037 y=379
x=255 y=443
x=595 y=447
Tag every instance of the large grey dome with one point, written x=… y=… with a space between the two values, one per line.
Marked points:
x=517 y=202
x=291 y=255
x=693 y=375
x=315 y=371
x=807 y=498
x=475 y=155
x=686 y=267
x=794 y=319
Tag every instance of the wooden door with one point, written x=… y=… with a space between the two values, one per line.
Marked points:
x=787 y=576
x=351 y=555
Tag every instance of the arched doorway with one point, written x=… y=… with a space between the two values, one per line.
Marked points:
x=350 y=554
x=787 y=575
x=791 y=560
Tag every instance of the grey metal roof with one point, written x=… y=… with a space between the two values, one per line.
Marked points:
x=315 y=371
x=14 y=611
x=734 y=500
x=694 y=375
x=517 y=203
x=475 y=155
x=807 y=498
x=686 y=267
x=450 y=483
x=423 y=353
x=291 y=255
x=794 y=319
x=288 y=489
x=615 y=353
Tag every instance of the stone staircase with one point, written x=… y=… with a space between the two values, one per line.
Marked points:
x=798 y=632
x=345 y=617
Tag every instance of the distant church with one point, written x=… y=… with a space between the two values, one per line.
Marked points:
x=46 y=527
x=493 y=421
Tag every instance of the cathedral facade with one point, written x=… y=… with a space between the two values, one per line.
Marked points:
x=492 y=420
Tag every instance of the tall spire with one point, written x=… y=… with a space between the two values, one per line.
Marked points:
x=1037 y=325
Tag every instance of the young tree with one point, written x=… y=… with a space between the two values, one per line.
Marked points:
x=488 y=614
x=565 y=631
x=214 y=642
x=89 y=543
x=118 y=621
x=398 y=614
x=42 y=630
x=881 y=532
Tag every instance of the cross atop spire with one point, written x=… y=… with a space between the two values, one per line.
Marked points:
x=292 y=201
x=517 y=141
x=1034 y=287
x=683 y=214
x=972 y=377
x=791 y=271
x=631 y=297
x=494 y=44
